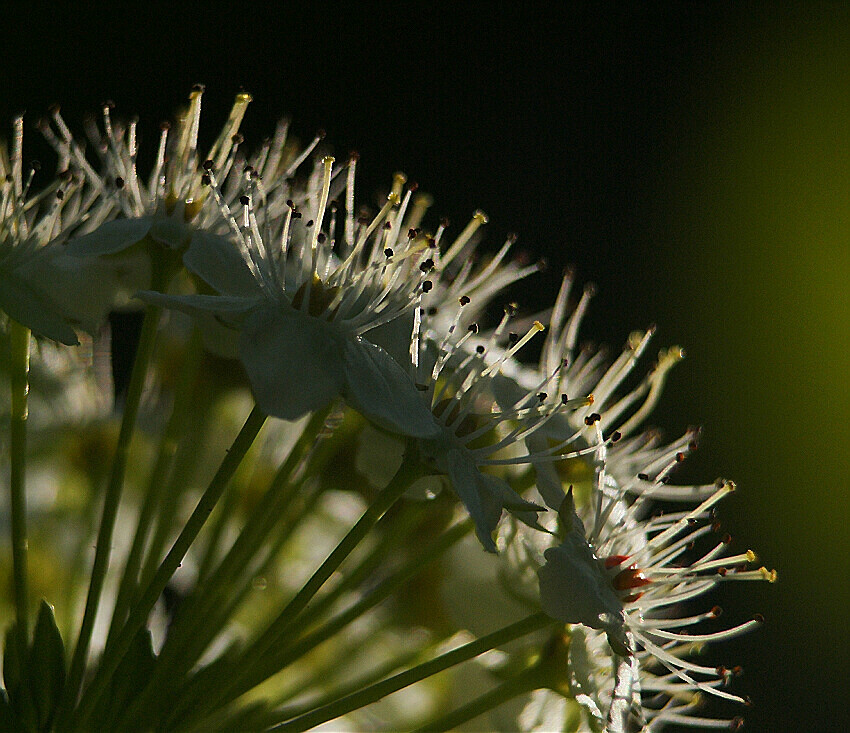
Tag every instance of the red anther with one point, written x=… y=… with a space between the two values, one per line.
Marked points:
x=716 y=612
x=727 y=539
x=722 y=572
x=737 y=670
x=444 y=222
x=716 y=527
x=721 y=671
x=354 y=156
x=736 y=724
x=680 y=456
x=321 y=134
x=413 y=187
x=631 y=578
x=748 y=701
x=759 y=618
x=615 y=560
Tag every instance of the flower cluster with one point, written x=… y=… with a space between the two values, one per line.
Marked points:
x=337 y=317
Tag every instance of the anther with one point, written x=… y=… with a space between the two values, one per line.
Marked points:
x=615 y=436
x=513 y=338
x=320 y=238
x=60 y=194
x=479 y=349
x=463 y=300
x=35 y=165
x=208 y=165
x=426 y=286
x=472 y=328
x=243 y=200
x=643 y=477
x=716 y=612
x=592 y=418
x=119 y=182
x=511 y=309
x=388 y=252
x=205 y=179
x=542 y=397
x=309 y=223
x=680 y=457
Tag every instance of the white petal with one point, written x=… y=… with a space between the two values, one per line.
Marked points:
x=171 y=231
x=575 y=589
x=86 y=289
x=293 y=361
x=23 y=304
x=216 y=260
x=227 y=309
x=377 y=387
x=464 y=477
x=111 y=237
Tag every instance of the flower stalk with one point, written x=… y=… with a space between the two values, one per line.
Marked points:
x=20 y=365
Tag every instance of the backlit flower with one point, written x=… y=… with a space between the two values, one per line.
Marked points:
x=302 y=311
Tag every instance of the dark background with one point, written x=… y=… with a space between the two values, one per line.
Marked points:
x=689 y=158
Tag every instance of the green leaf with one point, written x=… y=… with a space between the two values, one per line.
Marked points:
x=8 y=723
x=46 y=666
x=15 y=677
x=131 y=676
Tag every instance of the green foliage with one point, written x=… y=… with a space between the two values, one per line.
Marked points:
x=33 y=675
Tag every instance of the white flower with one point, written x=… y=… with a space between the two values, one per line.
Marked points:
x=172 y=206
x=650 y=567
x=32 y=227
x=302 y=312
x=457 y=384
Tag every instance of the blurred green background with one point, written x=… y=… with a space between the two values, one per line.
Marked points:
x=691 y=159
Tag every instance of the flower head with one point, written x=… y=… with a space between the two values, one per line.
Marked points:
x=32 y=227
x=170 y=207
x=301 y=309
x=456 y=377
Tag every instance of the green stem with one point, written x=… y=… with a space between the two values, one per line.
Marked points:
x=182 y=474
x=110 y=510
x=408 y=472
x=20 y=365
x=397 y=682
x=264 y=667
x=142 y=608
x=157 y=481
x=514 y=687
x=186 y=638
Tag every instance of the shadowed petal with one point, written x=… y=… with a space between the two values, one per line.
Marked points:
x=216 y=260
x=382 y=391
x=25 y=305
x=111 y=237
x=293 y=362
